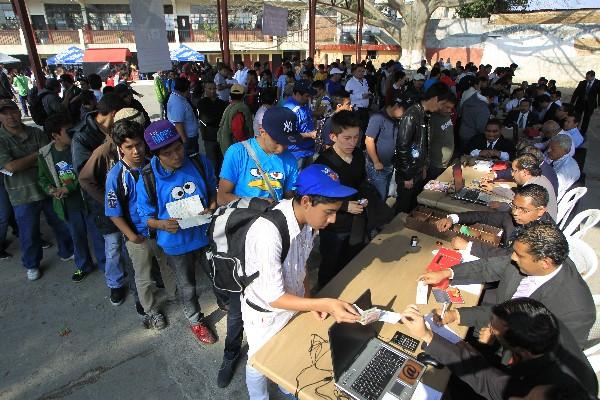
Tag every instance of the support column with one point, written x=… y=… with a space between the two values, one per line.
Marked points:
x=360 y=6
x=312 y=14
x=34 y=59
x=224 y=31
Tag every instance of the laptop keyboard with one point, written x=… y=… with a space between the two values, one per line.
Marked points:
x=378 y=372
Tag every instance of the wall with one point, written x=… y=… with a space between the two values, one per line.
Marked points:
x=562 y=45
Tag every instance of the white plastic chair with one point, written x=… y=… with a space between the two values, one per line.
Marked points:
x=583 y=256
x=567 y=203
x=584 y=221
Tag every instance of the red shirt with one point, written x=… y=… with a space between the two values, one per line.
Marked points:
x=237 y=127
x=192 y=77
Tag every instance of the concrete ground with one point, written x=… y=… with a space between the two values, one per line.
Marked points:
x=61 y=340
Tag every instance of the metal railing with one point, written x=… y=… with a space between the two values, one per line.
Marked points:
x=56 y=37
x=9 y=37
x=108 y=37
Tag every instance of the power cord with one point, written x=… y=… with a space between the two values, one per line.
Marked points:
x=315 y=352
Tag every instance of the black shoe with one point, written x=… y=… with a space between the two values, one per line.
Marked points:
x=46 y=245
x=226 y=371
x=78 y=275
x=117 y=296
x=4 y=255
x=139 y=308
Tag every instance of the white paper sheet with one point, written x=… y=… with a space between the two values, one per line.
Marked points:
x=443 y=330
x=390 y=317
x=422 y=392
x=187 y=211
x=198 y=220
x=422 y=293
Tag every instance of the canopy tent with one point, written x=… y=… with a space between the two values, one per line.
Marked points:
x=6 y=59
x=185 y=53
x=73 y=55
x=113 y=56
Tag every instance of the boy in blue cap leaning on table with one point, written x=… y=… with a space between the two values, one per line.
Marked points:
x=280 y=290
x=185 y=183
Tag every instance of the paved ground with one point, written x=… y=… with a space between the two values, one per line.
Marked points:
x=61 y=340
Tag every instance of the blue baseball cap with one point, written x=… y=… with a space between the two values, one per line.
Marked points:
x=320 y=180
x=160 y=134
x=281 y=124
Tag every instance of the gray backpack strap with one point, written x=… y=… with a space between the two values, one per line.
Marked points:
x=265 y=178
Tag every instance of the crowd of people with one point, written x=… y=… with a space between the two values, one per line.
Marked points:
x=326 y=146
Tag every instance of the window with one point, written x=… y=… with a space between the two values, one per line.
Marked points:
x=372 y=54
x=8 y=19
x=204 y=18
x=63 y=16
x=109 y=16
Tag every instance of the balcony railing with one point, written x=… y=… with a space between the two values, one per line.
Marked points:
x=56 y=37
x=109 y=37
x=9 y=37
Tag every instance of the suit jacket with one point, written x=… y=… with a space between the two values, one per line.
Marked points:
x=475 y=115
x=567 y=365
x=551 y=112
x=566 y=295
x=479 y=142
x=513 y=117
x=593 y=100
x=500 y=219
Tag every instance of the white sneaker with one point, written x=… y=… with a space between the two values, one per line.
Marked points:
x=33 y=274
x=71 y=257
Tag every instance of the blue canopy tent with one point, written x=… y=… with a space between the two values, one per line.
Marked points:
x=184 y=53
x=73 y=55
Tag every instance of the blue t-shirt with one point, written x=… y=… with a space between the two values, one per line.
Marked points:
x=333 y=87
x=429 y=82
x=306 y=147
x=173 y=186
x=180 y=110
x=384 y=130
x=240 y=169
x=112 y=206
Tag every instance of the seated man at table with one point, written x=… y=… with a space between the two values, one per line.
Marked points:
x=565 y=166
x=281 y=287
x=491 y=144
x=540 y=269
x=526 y=171
x=529 y=205
x=544 y=354
x=522 y=117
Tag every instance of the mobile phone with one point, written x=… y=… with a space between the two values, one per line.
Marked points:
x=362 y=202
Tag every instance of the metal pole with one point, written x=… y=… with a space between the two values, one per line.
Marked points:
x=34 y=59
x=312 y=14
x=225 y=30
x=220 y=29
x=359 y=26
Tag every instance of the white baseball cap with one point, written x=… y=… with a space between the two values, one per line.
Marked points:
x=335 y=71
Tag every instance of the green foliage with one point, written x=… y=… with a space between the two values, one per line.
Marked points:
x=484 y=8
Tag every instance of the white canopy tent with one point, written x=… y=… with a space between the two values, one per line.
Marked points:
x=6 y=59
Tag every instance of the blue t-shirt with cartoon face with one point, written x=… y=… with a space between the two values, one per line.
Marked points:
x=239 y=168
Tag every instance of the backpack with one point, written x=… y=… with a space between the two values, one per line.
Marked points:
x=227 y=241
x=36 y=106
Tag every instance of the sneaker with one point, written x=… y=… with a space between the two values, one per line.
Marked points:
x=46 y=245
x=117 y=296
x=154 y=320
x=5 y=255
x=226 y=371
x=203 y=333
x=78 y=275
x=70 y=258
x=33 y=274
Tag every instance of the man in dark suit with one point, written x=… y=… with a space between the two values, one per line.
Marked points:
x=586 y=98
x=475 y=112
x=529 y=204
x=491 y=143
x=522 y=117
x=544 y=354
x=540 y=270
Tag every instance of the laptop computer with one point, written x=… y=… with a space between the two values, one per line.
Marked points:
x=365 y=367
x=467 y=194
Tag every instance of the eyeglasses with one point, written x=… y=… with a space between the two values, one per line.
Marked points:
x=520 y=209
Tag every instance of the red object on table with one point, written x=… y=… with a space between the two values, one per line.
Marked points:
x=500 y=166
x=444 y=259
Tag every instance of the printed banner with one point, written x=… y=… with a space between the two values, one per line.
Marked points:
x=150 y=35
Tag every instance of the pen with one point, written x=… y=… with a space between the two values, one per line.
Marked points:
x=444 y=309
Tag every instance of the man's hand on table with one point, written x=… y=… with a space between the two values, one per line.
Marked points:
x=435 y=277
x=339 y=310
x=487 y=185
x=413 y=320
x=459 y=243
x=443 y=224
x=489 y=154
x=449 y=317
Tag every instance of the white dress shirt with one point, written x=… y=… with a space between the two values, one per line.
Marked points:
x=241 y=76
x=356 y=89
x=567 y=172
x=263 y=252
x=530 y=284
x=511 y=104
x=576 y=136
x=503 y=155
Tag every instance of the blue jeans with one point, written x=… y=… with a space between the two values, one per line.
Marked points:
x=81 y=224
x=380 y=179
x=5 y=213
x=114 y=272
x=28 y=220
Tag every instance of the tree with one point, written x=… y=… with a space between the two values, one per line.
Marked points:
x=485 y=8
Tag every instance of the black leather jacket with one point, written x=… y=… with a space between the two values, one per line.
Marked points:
x=412 y=152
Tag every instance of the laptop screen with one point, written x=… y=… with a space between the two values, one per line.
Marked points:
x=458 y=177
x=347 y=340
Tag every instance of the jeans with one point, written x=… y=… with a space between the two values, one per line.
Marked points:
x=336 y=252
x=24 y=104
x=28 y=220
x=235 y=327
x=213 y=153
x=7 y=217
x=192 y=146
x=141 y=255
x=184 y=266
x=380 y=179
x=114 y=271
x=406 y=199
x=79 y=223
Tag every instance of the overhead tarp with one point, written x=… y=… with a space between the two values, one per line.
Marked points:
x=73 y=55
x=150 y=35
x=185 y=53
x=6 y=59
x=114 y=56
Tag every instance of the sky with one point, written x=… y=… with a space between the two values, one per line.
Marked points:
x=560 y=4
